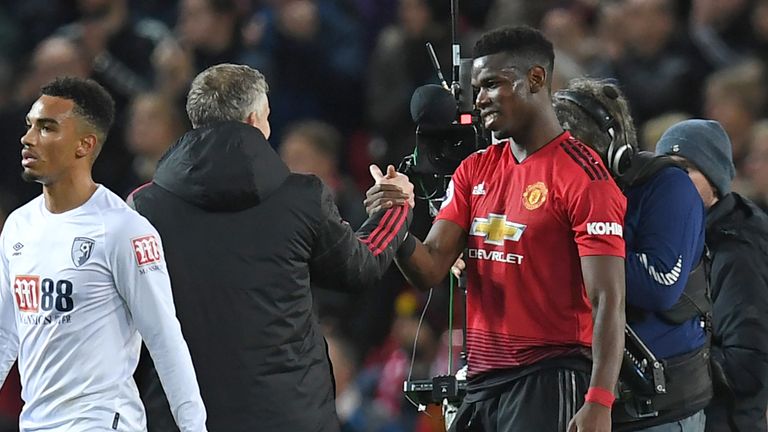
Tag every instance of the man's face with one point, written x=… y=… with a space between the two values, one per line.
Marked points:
x=301 y=156
x=49 y=147
x=414 y=16
x=151 y=127
x=55 y=57
x=502 y=94
x=647 y=25
x=731 y=112
x=92 y=8
x=757 y=165
x=263 y=120
x=197 y=21
x=706 y=191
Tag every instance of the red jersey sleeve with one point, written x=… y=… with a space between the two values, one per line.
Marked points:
x=596 y=210
x=455 y=207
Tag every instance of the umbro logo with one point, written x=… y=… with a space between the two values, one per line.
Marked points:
x=17 y=249
x=479 y=189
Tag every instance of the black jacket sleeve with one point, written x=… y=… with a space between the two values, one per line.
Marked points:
x=740 y=348
x=348 y=260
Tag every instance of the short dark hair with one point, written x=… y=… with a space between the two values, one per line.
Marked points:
x=92 y=102
x=524 y=42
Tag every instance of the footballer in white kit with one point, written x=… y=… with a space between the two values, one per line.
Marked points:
x=75 y=289
x=80 y=288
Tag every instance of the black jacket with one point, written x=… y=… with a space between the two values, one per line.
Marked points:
x=243 y=238
x=737 y=237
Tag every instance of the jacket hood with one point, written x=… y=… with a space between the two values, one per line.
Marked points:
x=643 y=166
x=224 y=166
x=737 y=217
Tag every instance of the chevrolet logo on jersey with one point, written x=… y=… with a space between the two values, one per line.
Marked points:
x=496 y=229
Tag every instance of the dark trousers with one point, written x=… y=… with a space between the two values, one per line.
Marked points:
x=543 y=401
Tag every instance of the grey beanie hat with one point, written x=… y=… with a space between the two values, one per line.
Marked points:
x=705 y=144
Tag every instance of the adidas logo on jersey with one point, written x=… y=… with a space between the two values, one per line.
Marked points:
x=605 y=228
x=479 y=189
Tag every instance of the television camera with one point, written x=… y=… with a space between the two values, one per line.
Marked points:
x=448 y=130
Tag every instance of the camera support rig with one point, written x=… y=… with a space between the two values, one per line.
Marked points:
x=448 y=131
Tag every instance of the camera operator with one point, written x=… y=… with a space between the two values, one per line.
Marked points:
x=737 y=238
x=665 y=242
x=541 y=221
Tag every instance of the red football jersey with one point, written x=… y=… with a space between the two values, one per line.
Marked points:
x=528 y=224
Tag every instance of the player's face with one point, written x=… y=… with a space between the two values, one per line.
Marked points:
x=49 y=146
x=501 y=94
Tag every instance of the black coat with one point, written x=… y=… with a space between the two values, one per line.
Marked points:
x=737 y=237
x=243 y=238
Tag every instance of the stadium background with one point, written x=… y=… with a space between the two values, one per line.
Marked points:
x=341 y=74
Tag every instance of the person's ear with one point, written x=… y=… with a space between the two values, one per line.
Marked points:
x=86 y=146
x=252 y=119
x=537 y=79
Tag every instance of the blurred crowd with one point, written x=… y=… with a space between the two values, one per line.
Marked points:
x=341 y=74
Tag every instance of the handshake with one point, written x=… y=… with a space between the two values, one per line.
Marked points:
x=395 y=189
x=389 y=190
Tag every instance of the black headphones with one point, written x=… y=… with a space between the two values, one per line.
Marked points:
x=617 y=157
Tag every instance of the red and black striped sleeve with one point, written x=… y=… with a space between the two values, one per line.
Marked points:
x=346 y=259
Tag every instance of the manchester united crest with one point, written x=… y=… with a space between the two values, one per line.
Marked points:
x=535 y=195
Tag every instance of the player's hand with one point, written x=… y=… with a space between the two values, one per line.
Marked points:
x=591 y=418
x=395 y=178
x=458 y=267
x=389 y=190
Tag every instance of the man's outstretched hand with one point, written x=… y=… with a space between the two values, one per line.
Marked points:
x=390 y=189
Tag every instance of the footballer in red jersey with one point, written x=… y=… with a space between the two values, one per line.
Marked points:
x=541 y=221
x=528 y=224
